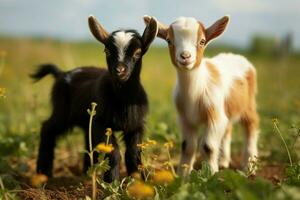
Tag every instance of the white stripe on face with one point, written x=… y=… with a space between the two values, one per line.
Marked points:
x=185 y=37
x=122 y=40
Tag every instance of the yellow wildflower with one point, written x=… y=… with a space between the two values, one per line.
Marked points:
x=169 y=145
x=151 y=142
x=142 y=146
x=105 y=148
x=163 y=177
x=108 y=132
x=38 y=180
x=140 y=190
x=2 y=92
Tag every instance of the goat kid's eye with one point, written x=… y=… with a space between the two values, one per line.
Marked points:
x=137 y=54
x=201 y=43
x=106 y=51
x=168 y=41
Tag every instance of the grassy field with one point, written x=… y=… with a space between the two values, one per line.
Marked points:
x=24 y=105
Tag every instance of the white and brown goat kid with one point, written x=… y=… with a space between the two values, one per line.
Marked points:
x=214 y=92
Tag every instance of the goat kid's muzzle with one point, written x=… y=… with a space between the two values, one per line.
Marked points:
x=122 y=72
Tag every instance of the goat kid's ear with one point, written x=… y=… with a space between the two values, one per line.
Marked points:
x=98 y=30
x=150 y=33
x=216 y=29
x=162 y=29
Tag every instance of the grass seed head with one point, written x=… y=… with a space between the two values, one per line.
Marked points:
x=108 y=132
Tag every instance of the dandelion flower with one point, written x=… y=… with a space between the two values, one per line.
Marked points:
x=105 y=148
x=38 y=180
x=140 y=190
x=163 y=177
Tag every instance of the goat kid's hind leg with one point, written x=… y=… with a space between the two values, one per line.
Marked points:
x=133 y=153
x=250 y=123
x=188 y=148
x=212 y=140
x=225 y=156
x=49 y=131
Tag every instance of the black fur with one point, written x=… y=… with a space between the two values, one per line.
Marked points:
x=45 y=70
x=183 y=146
x=121 y=105
x=207 y=150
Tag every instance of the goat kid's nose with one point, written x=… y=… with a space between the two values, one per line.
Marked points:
x=121 y=69
x=185 y=55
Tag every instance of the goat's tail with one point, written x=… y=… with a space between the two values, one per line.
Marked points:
x=45 y=69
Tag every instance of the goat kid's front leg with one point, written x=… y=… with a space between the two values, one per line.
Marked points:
x=133 y=152
x=188 y=148
x=225 y=157
x=212 y=140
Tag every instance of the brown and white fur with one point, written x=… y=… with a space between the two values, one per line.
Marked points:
x=214 y=92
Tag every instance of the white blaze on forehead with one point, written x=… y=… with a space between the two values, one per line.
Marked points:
x=185 y=31
x=122 y=40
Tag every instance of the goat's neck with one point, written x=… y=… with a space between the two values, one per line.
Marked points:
x=191 y=82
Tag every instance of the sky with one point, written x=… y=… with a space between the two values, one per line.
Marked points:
x=67 y=19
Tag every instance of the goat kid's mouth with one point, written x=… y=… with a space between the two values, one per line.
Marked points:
x=123 y=76
x=185 y=63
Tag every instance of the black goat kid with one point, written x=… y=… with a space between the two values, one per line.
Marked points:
x=122 y=101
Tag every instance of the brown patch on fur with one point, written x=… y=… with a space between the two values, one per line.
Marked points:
x=214 y=73
x=250 y=118
x=208 y=115
x=200 y=49
x=172 y=48
x=237 y=101
x=241 y=102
